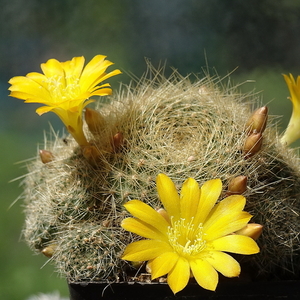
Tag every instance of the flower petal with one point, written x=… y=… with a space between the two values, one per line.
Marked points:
x=179 y=276
x=24 y=88
x=205 y=274
x=226 y=224
x=73 y=68
x=210 y=192
x=294 y=89
x=94 y=72
x=43 y=109
x=224 y=263
x=292 y=132
x=145 y=250
x=231 y=204
x=168 y=195
x=101 y=92
x=53 y=68
x=142 y=229
x=147 y=214
x=162 y=264
x=107 y=75
x=235 y=243
x=189 y=198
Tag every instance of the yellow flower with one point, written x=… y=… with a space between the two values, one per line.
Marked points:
x=65 y=88
x=292 y=132
x=189 y=237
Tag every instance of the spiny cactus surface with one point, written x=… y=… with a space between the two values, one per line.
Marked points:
x=173 y=126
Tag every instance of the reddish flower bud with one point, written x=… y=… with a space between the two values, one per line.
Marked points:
x=258 y=121
x=46 y=156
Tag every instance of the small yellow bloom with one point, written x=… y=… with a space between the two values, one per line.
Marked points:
x=65 y=88
x=191 y=236
x=292 y=132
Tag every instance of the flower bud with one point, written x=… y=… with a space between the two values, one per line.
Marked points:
x=252 y=230
x=237 y=185
x=258 y=121
x=118 y=141
x=252 y=144
x=46 y=156
x=94 y=120
x=49 y=250
x=164 y=214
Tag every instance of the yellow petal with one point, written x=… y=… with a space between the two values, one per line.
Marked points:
x=179 y=276
x=189 y=198
x=231 y=204
x=25 y=96
x=102 y=86
x=145 y=250
x=205 y=274
x=224 y=263
x=292 y=132
x=24 y=88
x=107 y=75
x=226 y=224
x=40 y=79
x=101 y=92
x=142 y=229
x=93 y=71
x=168 y=195
x=210 y=192
x=44 y=109
x=235 y=244
x=53 y=68
x=294 y=88
x=162 y=264
x=73 y=68
x=147 y=214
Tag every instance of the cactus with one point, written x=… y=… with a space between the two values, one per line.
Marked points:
x=177 y=126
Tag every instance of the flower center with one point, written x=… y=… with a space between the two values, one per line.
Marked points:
x=185 y=239
x=63 y=88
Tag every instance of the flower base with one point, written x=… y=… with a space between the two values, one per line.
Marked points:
x=234 y=290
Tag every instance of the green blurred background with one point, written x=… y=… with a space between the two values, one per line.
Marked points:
x=260 y=37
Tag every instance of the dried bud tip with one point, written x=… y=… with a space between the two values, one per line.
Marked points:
x=94 y=120
x=237 y=185
x=118 y=141
x=258 y=121
x=252 y=230
x=46 y=156
x=49 y=250
x=252 y=144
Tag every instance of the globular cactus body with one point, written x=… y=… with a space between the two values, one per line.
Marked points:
x=172 y=126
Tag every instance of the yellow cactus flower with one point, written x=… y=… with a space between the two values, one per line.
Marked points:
x=292 y=132
x=190 y=237
x=65 y=88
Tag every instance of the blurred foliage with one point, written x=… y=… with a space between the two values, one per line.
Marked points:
x=260 y=37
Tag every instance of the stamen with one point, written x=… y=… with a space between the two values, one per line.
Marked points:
x=185 y=238
x=59 y=91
